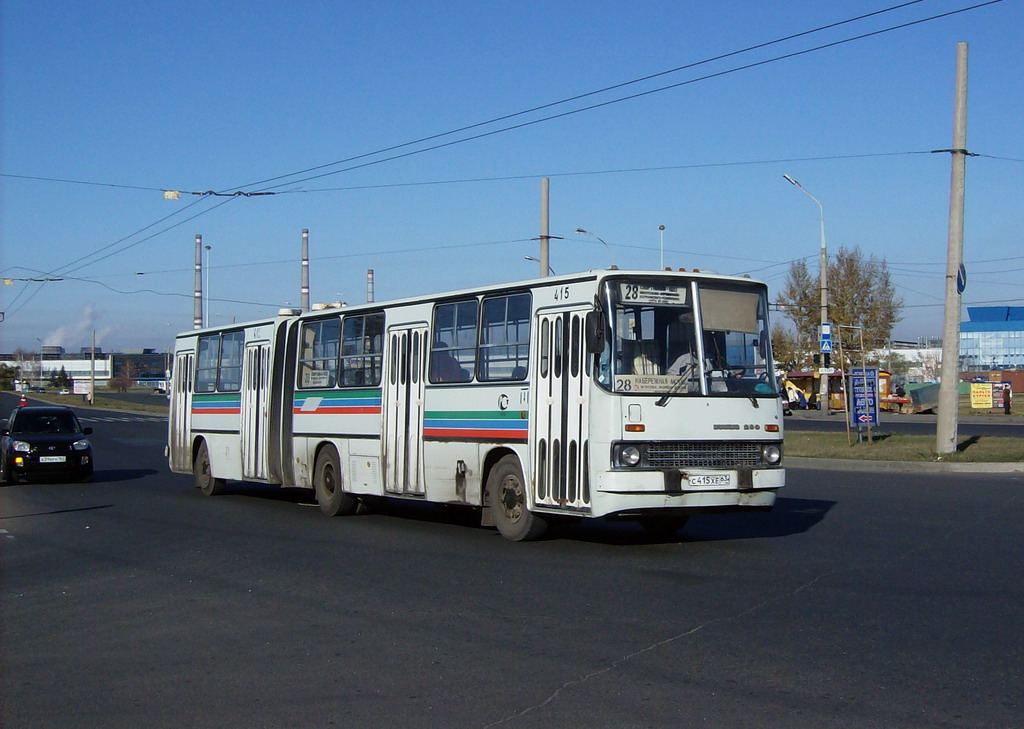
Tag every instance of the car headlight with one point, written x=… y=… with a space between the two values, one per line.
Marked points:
x=629 y=455
x=80 y=445
x=771 y=454
x=21 y=446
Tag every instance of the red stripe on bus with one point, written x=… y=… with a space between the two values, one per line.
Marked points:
x=216 y=411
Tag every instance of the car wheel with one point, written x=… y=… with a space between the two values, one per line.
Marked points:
x=10 y=478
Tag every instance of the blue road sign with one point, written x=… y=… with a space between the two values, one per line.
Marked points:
x=863 y=394
x=826 y=346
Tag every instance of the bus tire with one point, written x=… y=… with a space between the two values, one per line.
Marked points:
x=506 y=496
x=328 y=483
x=203 y=473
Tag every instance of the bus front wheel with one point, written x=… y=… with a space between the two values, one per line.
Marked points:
x=203 y=473
x=327 y=482
x=506 y=495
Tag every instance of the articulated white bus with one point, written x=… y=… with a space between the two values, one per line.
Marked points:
x=634 y=394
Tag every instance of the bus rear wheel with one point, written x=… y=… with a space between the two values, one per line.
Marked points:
x=203 y=474
x=327 y=482
x=506 y=496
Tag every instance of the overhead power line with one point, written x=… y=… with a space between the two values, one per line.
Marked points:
x=610 y=102
x=233 y=193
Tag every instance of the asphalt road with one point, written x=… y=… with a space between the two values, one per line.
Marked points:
x=862 y=600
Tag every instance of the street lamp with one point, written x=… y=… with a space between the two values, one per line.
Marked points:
x=537 y=260
x=823 y=284
x=206 y=289
x=580 y=231
x=661 y=229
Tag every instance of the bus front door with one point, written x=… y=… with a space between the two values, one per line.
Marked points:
x=255 y=407
x=180 y=435
x=403 y=417
x=559 y=444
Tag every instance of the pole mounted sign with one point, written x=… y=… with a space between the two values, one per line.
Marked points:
x=864 y=396
x=826 y=338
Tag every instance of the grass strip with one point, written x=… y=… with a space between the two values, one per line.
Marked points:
x=903 y=447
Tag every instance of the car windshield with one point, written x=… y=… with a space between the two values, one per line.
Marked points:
x=695 y=338
x=29 y=423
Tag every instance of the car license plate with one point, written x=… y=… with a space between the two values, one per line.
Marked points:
x=51 y=459
x=722 y=479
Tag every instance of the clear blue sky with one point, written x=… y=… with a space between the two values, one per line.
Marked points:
x=198 y=96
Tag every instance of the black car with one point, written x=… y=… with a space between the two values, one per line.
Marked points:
x=45 y=442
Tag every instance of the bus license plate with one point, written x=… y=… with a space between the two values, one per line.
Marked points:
x=722 y=479
x=51 y=459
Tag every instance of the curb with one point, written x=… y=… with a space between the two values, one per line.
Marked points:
x=844 y=464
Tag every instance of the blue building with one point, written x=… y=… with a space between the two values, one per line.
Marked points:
x=993 y=339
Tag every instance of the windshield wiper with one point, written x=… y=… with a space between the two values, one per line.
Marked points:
x=684 y=375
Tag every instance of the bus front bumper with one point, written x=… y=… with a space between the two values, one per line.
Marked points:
x=691 y=481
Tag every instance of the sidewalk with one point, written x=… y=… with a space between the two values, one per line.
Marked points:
x=855 y=464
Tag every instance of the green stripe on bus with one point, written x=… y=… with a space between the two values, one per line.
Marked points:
x=476 y=414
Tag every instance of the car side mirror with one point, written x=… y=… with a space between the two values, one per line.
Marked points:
x=87 y=431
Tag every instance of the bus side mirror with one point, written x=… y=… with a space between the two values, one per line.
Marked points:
x=594 y=326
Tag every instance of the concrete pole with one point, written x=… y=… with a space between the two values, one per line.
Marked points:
x=949 y=385
x=304 y=292
x=92 y=370
x=369 y=286
x=544 y=232
x=823 y=403
x=197 y=311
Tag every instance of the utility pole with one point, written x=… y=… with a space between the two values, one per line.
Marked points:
x=544 y=233
x=949 y=385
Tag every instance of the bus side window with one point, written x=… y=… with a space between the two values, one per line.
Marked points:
x=455 y=337
x=207 y=360
x=505 y=337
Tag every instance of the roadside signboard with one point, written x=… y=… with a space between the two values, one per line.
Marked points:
x=864 y=396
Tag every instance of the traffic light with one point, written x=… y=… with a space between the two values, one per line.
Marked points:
x=828 y=359
x=817 y=360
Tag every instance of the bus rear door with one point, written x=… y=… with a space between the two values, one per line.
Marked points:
x=403 y=415
x=255 y=410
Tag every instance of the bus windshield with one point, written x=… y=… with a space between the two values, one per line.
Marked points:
x=695 y=338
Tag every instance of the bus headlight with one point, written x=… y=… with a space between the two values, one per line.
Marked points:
x=629 y=455
x=771 y=454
